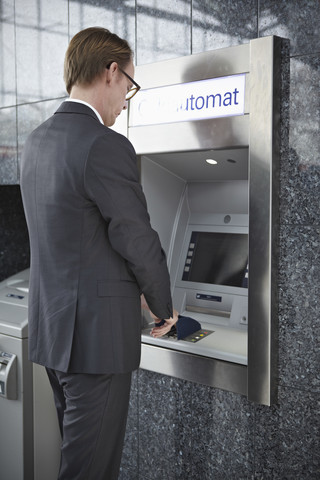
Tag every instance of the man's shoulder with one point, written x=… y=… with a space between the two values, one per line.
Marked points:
x=38 y=132
x=113 y=151
x=110 y=137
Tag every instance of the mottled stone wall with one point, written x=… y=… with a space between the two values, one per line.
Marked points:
x=176 y=429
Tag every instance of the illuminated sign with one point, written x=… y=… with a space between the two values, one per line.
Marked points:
x=216 y=97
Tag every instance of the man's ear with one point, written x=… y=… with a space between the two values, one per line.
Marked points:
x=112 y=71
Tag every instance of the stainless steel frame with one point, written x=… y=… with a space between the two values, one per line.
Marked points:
x=263 y=218
x=258 y=129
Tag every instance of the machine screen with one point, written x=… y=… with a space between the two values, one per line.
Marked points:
x=217 y=258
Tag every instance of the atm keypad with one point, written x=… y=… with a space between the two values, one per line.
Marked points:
x=199 y=335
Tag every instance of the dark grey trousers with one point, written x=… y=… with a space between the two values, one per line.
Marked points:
x=92 y=412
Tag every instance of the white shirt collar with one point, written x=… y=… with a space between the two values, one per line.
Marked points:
x=88 y=105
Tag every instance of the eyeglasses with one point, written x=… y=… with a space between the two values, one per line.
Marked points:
x=131 y=93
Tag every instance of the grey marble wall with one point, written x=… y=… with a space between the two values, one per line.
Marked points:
x=176 y=429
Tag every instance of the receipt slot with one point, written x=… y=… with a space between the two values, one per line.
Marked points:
x=8 y=375
x=206 y=131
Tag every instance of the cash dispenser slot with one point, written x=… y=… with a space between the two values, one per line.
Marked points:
x=208 y=311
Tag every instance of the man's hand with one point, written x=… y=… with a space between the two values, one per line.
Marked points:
x=157 y=332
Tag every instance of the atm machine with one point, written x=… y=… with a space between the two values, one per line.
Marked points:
x=30 y=437
x=206 y=131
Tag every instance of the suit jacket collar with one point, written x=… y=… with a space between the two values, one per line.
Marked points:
x=75 y=107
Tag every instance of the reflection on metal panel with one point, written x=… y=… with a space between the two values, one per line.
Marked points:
x=214 y=63
x=219 y=133
x=207 y=371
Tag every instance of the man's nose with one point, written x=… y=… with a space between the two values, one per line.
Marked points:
x=125 y=106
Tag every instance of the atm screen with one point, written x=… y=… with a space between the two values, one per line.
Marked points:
x=217 y=258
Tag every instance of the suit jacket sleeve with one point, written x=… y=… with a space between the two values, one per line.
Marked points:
x=112 y=182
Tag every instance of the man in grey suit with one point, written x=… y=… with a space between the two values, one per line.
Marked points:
x=93 y=254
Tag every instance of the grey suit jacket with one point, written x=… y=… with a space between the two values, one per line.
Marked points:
x=93 y=250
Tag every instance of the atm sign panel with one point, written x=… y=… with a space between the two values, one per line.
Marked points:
x=204 y=99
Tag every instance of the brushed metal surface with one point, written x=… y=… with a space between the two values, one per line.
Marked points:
x=263 y=218
x=217 y=133
x=194 y=368
x=214 y=63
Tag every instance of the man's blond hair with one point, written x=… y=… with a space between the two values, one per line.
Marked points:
x=91 y=51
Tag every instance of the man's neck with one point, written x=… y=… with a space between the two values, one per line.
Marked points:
x=86 y=95
x=89 y=95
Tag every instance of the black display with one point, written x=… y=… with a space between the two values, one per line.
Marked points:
x=217 y=258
